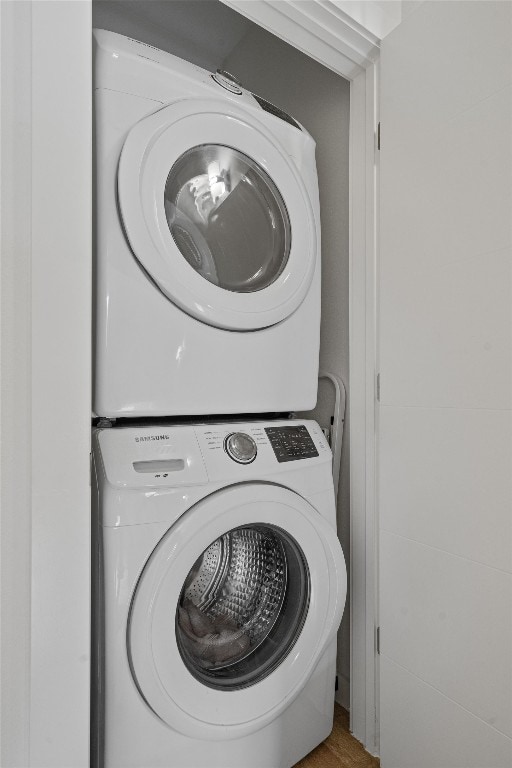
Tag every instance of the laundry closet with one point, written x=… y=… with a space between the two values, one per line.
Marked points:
x=430 y=199
x=211 y=35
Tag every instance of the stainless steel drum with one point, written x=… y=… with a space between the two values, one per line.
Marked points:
x=242 y=606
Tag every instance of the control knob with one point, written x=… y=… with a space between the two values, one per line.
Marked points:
x=240 y=447
x=228 y=81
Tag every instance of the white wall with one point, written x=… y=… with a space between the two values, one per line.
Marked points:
x=445 y=436
x=377 y=16
x=15 y=394
x=320 y=100
x=46 y=321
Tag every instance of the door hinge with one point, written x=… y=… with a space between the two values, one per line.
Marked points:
x=377 y=641
x=377 y=387
x=378 y=136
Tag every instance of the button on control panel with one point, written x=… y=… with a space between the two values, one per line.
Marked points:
x=291 y=443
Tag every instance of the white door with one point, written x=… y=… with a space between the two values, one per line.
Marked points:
x=233 y=610
x=217 y=214
x=446 y=388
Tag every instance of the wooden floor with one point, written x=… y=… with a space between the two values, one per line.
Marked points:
x=340 y=749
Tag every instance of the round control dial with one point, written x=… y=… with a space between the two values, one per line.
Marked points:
x=240 y=447
x=228 y=81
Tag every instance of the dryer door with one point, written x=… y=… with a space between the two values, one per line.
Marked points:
x=217 y=214
x=233 y=610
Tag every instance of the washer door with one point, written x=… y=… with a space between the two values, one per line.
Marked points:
x=233 y=610
x=217 y=214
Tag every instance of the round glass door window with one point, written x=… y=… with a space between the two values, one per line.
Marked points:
x=227 y=218
x=242 y=606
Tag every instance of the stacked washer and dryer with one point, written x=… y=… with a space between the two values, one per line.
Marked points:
x=219 y=581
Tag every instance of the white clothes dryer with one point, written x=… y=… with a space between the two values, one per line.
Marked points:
x=207 y=242
x=219 y=587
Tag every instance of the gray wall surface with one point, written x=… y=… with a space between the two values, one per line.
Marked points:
x=200 y=31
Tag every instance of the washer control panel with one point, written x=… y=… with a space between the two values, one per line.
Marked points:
x=291 y=443
x=254 y=449
x=240 y=447
x=174 y=456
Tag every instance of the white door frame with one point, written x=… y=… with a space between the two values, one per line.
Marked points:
x=331 y=37
x=46 y=371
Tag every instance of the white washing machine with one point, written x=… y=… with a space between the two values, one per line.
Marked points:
x=207 y=242
x=220 y=586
